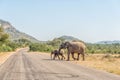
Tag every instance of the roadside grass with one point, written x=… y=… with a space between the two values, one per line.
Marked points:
x=4 y=56
x=106 y=62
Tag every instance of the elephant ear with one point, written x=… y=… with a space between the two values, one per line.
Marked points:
x=67 y=44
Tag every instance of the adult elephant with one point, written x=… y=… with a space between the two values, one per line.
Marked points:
x=73 y=47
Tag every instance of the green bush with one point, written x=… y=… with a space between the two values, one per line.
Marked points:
x=5 y=49
x=40 y=47
x=103 y=48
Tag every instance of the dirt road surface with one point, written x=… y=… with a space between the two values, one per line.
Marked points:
x=30 y=66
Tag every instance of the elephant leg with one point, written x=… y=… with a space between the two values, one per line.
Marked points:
x=73 y=56
x=83 y=56
x=68 y=56
x=78 y=56
x=62 y=56
x=54 y=56
x=51 y=55
x=58 y=57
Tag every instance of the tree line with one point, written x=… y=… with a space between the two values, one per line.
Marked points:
x=103 y=48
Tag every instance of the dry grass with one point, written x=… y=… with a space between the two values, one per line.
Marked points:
x=4 y=56
x=106 y=62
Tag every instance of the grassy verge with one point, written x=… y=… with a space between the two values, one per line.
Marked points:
x=106 y=62
x=4 y=56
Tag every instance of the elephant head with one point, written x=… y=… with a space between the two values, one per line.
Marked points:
x=64 y=45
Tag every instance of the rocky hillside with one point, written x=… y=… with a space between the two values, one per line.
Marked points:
x=69 y=38
x=14 y=33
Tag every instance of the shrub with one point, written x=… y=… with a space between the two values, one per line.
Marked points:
x=40 y=47
x=5 y=49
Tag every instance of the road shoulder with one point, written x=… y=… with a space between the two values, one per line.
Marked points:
x=4 y=56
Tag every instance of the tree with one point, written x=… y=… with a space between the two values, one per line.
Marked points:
x=3 y=36
x=55 y=42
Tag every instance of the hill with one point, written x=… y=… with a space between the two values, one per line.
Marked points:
x=69 y=38
x=109 y=42
x=14 y=33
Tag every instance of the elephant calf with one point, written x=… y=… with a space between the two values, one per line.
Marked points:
x=56 y=53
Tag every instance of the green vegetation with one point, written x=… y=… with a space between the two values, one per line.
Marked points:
x=42 y=47
x=103 y=48
x=46 y=47
x=7 y=45
x=4 y=41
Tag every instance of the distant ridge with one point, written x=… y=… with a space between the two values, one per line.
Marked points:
x=109 y=42
x=69 y=38
x=14 y=33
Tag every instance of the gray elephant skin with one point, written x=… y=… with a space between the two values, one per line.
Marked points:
x=74 y=47
x=57 y=53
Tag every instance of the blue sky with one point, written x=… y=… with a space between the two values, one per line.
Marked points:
x=88 y=20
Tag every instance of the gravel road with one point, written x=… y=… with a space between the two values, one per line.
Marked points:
x=30 y=66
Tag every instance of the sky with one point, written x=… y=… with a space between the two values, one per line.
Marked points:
x=88 y=20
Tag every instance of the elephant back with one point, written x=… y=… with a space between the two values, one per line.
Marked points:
x=78 y=45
